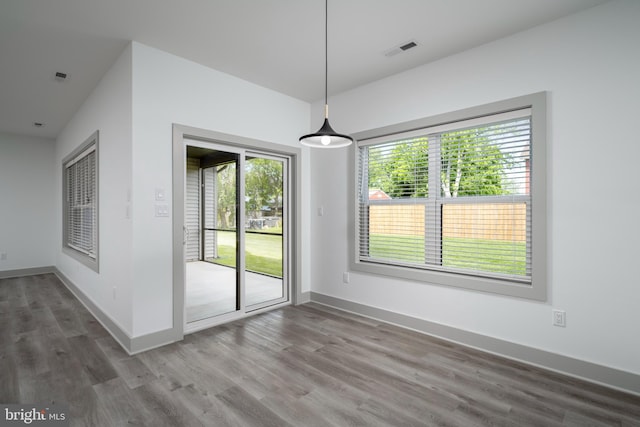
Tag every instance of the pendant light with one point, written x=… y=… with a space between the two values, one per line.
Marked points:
x=326 y=137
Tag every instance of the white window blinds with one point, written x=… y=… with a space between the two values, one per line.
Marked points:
x=81 y=202
x=449 y=198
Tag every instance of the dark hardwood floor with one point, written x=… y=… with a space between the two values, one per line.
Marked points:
x=298 y=366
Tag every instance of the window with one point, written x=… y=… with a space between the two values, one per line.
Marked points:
x=456 y=199
x=80 y=203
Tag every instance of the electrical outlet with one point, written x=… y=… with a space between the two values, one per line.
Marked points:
x=3 y=256
x=559 y=318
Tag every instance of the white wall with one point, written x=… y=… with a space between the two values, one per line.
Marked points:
x=108 y=110
x=590 y=65
x=166 y=90
x=26 y=201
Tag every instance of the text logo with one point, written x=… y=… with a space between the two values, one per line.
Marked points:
x=34 y=415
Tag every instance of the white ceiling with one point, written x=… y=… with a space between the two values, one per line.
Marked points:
x=278 y=44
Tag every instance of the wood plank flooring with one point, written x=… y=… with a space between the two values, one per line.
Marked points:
x=297 y=366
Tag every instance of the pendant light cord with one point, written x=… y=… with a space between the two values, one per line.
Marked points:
x=326 y=137
x=326 y=58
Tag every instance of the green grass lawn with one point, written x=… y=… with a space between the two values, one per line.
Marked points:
x=263 y=251
x=496 y=256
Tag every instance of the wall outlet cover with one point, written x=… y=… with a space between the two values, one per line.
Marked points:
x=559 y=318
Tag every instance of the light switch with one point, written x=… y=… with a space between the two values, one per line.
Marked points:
x=162 y=210
x=160 y=194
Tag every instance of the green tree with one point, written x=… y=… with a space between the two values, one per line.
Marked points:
x=226 y=195
x=263 y=185
x=401 y=171
x=471 y=165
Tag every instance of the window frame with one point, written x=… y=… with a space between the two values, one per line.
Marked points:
x=87 y=147
x=537 y=288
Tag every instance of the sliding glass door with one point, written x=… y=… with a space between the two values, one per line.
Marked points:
x=238 y=201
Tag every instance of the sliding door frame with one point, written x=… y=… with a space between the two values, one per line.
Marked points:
x=286 y=252
x=181 y=135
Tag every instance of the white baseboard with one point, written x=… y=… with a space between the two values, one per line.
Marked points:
x=132 y=345
x=7 y=274
x=599 y=374
x=303 y=298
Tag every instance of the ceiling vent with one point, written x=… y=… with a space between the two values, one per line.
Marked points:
x=60 y=77
x=408 y=45
x=400 y=48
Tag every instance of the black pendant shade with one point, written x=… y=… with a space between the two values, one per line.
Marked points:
x=326 y=137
